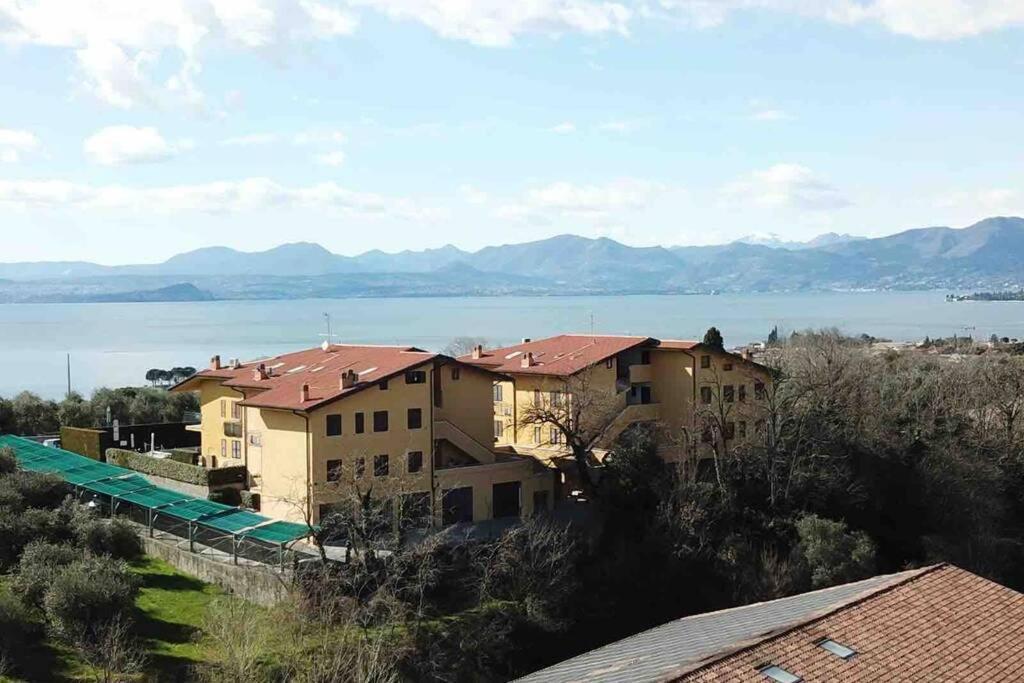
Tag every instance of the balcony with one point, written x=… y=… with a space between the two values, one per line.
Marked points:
x=639 y=374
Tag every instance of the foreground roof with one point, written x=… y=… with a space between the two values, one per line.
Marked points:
x=563 y=355
x=937 y=624
x=319 y=368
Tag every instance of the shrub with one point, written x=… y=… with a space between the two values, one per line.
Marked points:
x=8 y=463
x=39 y=565
x=111 y=537
x=18 y=630
x=833 y=554
x=18 y=529
x=87 y=596
x=34 y=490
x=250 y=500
x=172 y=469
x=226 y=497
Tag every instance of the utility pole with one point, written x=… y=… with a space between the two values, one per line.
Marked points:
x=329 y=338
x=69 y=375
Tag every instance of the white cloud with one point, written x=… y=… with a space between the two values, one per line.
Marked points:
x=937 y=20
x=117 y=145
x=986 y=202
x=335 y=158
x=770 y=115
x=583 y=201
x=496 y=23
x=251 y=140
x=14 y=144
x=564 y=128
x=788 y=186
x=473 y=195
x=216 y=197
x=619 y=126
x=121 y=47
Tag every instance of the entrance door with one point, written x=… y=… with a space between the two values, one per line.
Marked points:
x=457 y=505
x=506 y=499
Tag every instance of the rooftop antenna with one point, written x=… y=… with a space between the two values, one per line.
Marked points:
x=328 y=338
x=591 y=323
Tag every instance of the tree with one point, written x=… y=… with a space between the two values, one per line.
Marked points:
x=33 y=415
x=713 y=339
x=75 y=411
x=153 y=375
x=833 y=554
x=773 y=336
x=580 y=414
x=461 y=346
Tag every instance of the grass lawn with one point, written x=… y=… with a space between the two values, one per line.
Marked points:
x=169 y=612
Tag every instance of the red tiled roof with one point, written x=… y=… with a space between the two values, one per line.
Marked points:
x=677 y=344
x=941 y=624
x=319 y=369
x=563 y=355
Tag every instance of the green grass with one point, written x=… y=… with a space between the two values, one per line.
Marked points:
x=170 y=610
x=171 y=607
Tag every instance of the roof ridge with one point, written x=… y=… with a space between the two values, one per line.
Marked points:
x=852 y=601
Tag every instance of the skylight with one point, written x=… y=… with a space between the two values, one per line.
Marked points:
x=780 y=675
x=838 y=649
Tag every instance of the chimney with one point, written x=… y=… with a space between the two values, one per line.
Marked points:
x=526 y=340
x=349 y=378
x=478 y=352
x=259 y=372
x=747 y=354
x=304 y=393
x=215 y=363
x=235 y=364
x=527 y=360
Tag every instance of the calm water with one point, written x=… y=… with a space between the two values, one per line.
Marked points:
x=114 y=344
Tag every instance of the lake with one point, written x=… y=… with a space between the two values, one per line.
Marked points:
x=114 y=344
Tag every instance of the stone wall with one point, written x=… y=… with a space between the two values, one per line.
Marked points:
x=257 y=583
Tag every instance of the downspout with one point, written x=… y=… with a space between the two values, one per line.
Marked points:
x=693 y=391
x=434 y=377
x=309 y=465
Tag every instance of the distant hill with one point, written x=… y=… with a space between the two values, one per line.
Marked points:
x=987 y=255
x=776 y=242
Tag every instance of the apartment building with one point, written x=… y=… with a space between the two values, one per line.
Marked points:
x=701 y=397
x=415 y=427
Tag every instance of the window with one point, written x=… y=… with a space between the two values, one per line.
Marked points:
x=381 y=465
x=609 y=363
x=741 y=429
x=360 y=423
x=380 y=420
x=726 y=367
x=705 y=395
x=728 y=393
x=233 y=429
x=761 y=427
x=536 y=435
x=729 y=431
x=414 y=418
x=497 y=392
x=236 y=449
x=536 y=397
x=499 y=429
x=360 y=467
x=456 y=372
x=759 y=392
x=414 y=461
x=779 y=675
x=556 y=398
x=556 y=436
x=416 y=377
x=838 y=649
x=236 y=410
x=645 y=358
x=742 y=392
x=334 y=470
x=334 y=425
x=705 y=362
x=223 y=448
x=383 y=385
x=223 y=407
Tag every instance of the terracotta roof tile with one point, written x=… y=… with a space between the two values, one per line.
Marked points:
x=945 y=624
x=562 y=356
x=319 y=369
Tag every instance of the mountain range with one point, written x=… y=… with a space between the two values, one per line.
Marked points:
x=988 y=254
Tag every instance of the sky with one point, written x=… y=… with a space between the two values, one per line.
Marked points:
x=131 y=131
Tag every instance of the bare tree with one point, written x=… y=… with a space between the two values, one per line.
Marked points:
x=113 y=651
x=460 y=346
x=579 y=415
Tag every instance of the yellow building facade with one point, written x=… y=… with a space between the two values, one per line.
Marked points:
x=414 y=428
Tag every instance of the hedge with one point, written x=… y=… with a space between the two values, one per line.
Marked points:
x=178 y=471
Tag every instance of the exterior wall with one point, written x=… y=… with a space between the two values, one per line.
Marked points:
x=276 y=455
x=482 y=479
x=727 y=370
x=466 y=401
x=212 y=396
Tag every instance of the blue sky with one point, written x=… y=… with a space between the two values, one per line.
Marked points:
x=132 y=133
